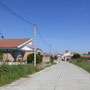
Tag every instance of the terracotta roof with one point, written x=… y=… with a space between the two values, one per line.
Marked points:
x=68 y=56
x=74 y=53
x=59 y=56
x=86 y=56
x=5 y=43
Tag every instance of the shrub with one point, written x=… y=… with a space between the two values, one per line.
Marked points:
x=76 y=56
x=20 y=60
x=1 y=55
x=52 y=58
x=30 y=58
x=7 y=61
x=55 y=57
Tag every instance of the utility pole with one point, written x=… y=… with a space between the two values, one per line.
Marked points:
x=34 y=44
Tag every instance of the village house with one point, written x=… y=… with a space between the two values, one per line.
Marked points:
x=60 y=56
x=17 y=49
x=46 y=57
x=67 y=55
x=87 y=57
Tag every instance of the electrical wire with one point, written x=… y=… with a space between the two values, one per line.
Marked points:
x=23 y=19
x=15 y=14
x=44 y=41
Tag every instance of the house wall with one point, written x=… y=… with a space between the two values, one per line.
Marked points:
x=8 y=56
x=46 y=58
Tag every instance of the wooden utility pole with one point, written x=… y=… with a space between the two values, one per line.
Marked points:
x=34 y=44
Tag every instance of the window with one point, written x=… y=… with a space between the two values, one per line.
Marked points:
x=17 y=54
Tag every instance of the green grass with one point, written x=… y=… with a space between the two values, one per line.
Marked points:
x=83 y=64
x=9 y=74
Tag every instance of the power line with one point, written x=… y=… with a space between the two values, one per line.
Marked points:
x=15 y=14
x=5 y=1
x=23 y=19
x=44 y=41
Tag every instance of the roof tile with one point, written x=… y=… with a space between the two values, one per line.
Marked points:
x=4 y=43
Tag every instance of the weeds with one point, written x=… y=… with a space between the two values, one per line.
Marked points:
x=82 y=63
x=9 y=74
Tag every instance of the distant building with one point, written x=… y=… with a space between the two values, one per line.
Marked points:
x=46 y=57
x=87 y=57
x=67 y=55
x=60 y=56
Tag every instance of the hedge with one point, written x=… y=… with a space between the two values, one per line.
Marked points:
x=30 y=58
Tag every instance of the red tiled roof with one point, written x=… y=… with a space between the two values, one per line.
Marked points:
x=68 y=56
x=4 y=43
x=86 y=56
x=74 y=53
x=60 y=56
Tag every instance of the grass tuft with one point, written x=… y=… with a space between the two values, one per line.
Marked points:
x=11 y=73
x=83 y=64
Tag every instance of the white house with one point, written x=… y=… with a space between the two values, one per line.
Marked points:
x=67 y=55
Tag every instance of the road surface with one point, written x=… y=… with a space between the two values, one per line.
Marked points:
x=63 y=76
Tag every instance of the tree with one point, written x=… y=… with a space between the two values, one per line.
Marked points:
x=88 y=53
x=55 y=57
x=1 y=55
x=52 y=58
x=30 y=58
x=76 y=56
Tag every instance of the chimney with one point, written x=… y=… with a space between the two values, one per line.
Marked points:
x=2 y=37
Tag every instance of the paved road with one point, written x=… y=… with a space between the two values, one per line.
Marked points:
x=63 y=76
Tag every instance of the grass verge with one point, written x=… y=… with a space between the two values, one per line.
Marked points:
x=9 y=73
x=83 y=64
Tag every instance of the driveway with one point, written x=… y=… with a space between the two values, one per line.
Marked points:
x=63 y=76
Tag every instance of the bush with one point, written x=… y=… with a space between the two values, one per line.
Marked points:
x=55 y=57
x=52 y=58
x=7 y=61
x=9 y=74
x=30 y=58
x=1 y=55
x=76 y=56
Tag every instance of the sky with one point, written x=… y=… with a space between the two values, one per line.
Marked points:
x=64 y=24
